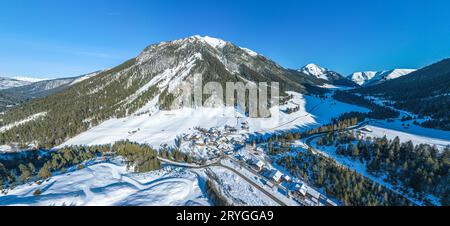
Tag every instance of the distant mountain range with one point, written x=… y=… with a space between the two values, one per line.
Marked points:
x=6 y=83
x=425 y=92
x=11 y=82
x=18 y=90
x=364 y=78
x=331 y=77
x=367 y=78
x=29 y=79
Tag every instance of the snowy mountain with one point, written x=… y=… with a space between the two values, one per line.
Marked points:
x=332 y=77
x=11 y=82
x=6 y=83
x=425 y=92
x=367 y=78
x=315 y=70
x=46 y=87
x=152 y=80
x=388 y=75
x=25 y=90
x=361 y=78
x=85 y=76
x=29 y=79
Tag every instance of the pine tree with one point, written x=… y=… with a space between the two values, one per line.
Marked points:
x=25 y=173
x=45 y=172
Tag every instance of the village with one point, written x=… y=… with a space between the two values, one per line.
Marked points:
x=206 y=145
x=255 y=161
x=229 y=142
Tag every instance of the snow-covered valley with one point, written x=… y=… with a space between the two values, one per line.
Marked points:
x=110 y=183
x=198 y=154
x=163 y=127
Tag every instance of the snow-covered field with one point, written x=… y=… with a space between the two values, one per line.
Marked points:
x=426 y=138
x=163 y=127
x=111 y=184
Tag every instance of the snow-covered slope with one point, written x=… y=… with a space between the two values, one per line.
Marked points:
x=377 y=129
x=84 y=77
x=29 y=79
x=6 y=83
x=388 y=75
x=162 y=127
x=332 y=77
x=26 y=89
x=361 y=78
x=110 y=184
x=315 y=70
x=31 y=118
x=367 y=78
x=11 y=82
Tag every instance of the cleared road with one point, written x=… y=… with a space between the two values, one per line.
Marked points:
x=217 y=163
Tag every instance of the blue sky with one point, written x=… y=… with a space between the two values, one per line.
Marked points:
x=59 y=38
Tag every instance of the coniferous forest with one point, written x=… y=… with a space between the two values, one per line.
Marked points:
x=423 y=168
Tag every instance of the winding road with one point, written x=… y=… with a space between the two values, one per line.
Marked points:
x=218 y=163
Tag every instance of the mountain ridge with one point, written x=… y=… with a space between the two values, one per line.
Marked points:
x=30 y=90
x=425 y=92
x=330 y=76
x=367 y=78
x=6 y=83
x=156 y=76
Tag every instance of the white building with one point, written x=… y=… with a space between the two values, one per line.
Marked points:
x=276 y=175
x=301 y=188
x=286 y=178
x=313 y=195
x=257 y=164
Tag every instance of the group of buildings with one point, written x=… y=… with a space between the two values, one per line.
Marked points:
x=309 y=196
x=297 y=189
x=213 y=142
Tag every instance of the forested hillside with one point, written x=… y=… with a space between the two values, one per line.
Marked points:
x=158 y=72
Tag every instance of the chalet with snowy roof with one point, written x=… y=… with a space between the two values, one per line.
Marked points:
x=257 y=164
x=313 y=195
x=301 y=189
x=286 y=178
x=242 y=157
x=275 y=175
